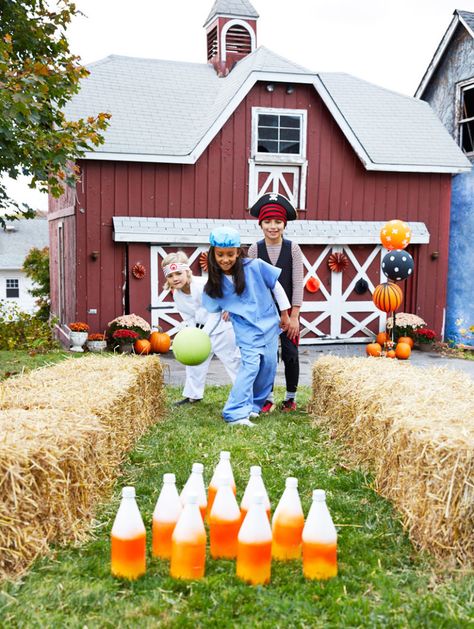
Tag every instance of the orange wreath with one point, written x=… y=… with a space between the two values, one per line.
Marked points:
x=203 y=261
x=337 y=262
x=138 y=271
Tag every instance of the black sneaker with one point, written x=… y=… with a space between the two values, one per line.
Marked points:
x=186 y=400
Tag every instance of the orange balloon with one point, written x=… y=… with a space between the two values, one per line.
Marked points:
x=402 y=351
x=395 y=235
x=387 y=296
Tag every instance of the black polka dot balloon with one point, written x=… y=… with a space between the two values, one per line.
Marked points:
x=397 y=265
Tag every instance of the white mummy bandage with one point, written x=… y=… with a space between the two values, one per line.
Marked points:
x=173 y=267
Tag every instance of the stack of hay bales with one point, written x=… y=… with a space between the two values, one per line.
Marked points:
x=414 y=429
x=64 y=430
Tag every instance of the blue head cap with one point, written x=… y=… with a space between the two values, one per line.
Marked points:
x=224 y=237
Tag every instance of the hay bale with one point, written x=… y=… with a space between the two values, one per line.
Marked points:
x=414 y=429
x=65 y=430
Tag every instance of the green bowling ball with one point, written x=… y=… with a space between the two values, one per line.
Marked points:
x=191 y=346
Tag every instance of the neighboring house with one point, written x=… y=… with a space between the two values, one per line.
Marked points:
x=16 y=241
x=448 y=86
x=193 y=145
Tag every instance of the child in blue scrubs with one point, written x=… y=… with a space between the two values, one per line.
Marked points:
x=247 y=289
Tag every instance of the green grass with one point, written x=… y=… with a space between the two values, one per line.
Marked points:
x=15 y=362
x=382 y=582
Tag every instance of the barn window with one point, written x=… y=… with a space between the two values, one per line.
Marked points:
x=466 y=117
x=279 y=132
x=13 y=289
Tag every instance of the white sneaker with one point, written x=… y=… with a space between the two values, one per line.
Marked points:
x=242 y=422
x=254 y=414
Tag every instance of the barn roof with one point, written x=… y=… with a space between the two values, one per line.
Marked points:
x=167 y=111
x=19 y=237
x=179 y=231
x=234 y=8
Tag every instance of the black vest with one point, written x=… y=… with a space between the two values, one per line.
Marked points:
x=284 y=262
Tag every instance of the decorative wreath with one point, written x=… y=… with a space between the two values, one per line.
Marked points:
x=203 y=261
x=138 y=271
x=337 y=262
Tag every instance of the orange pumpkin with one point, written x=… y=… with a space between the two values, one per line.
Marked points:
x=382 y=338
x=406 y=339
x=390 y=354
x=160 y=342
x=402 y=351
x=373 y=349
x=387 y=296
x=142 y=346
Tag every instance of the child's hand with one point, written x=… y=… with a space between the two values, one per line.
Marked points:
x=225 y=316
x=284 y=320
x=293 y=330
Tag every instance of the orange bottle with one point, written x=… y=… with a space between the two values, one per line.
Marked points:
x=254 y=486
x=224 y=522
x=254 y=553
x=287 y=523
x=319 y=540
x=223 y=468
x=188 y=547
x=195 y=485
x=128 y=539
x=167 y=511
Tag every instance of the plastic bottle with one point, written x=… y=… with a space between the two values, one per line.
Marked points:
x=224 y=522
x=188 y=547
x=254 y=552
x=222 y=469
x=319 y=540
x=287 y=523
x=167 y=511
x=195 y=485
x=128 y=539
x=254 y=486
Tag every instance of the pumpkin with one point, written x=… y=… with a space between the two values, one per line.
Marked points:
x=406 y=339
x=402 y=351
x=160 y=342
x=390 y=354
x=395 y=235
x=382 y=338
x=373 y=349
x=387 y=296
x=142 y=346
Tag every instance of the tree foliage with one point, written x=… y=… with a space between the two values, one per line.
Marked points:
x=38 y=75
x=36 y=267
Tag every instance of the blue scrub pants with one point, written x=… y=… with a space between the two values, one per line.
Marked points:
x=254 y=381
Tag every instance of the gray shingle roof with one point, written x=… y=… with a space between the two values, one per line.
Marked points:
x=196 y=231
x=15 y=244
x=468 y=17
x=237 y=8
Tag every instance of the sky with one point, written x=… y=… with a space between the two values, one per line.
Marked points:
x=387 y=42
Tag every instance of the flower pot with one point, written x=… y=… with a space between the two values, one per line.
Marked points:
x=126 y=348
x=425 y=347
x=96 y=346
x=77 y=340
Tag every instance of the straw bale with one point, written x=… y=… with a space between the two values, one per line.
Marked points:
x=414 y=429
x=64 y=431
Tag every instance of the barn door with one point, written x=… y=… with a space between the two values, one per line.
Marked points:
x=275 y=178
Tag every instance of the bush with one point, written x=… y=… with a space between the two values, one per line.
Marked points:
x=20 y=330
x=36 y=267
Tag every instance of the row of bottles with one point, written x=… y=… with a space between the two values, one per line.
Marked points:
x=237 y=532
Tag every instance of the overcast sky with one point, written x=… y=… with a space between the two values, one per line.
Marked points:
x=387 y=42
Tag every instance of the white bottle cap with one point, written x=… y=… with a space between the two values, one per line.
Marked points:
x=291 y=482
x=225 y=455
x=169 y=478
x=128 y=492
x=256 y=470
x=191 y=499
x=198 y=468
x=319 y=495
x=257 y=499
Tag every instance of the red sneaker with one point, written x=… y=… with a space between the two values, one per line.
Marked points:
x=288 y=405
x=268 y=407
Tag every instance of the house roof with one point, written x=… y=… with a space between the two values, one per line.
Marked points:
x=167 y=111
x=19 y=237
x=179 y=231
x=234 y=8
x=464 y=18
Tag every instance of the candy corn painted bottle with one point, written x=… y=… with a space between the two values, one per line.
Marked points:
x=222 y=469
x=287 y=523
x=188 y=547
x=167 y=511
x=195 y=485
x=128 y=539
x=224 y=522
x=254 y=486
x=254 y=552
x=319 y=540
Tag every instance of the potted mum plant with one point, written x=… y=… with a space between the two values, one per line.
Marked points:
x=124 y=339
x=425 y=339
x=96 y=342
x=78 y=335
x=406 y=325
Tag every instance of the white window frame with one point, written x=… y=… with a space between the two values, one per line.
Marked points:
x=12 y=283
x=462 y=87
x=279 y=158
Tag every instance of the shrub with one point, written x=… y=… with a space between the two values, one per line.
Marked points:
x=36 y=267
x=20 y=330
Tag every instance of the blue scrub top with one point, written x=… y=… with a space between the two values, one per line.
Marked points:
x=253 y=314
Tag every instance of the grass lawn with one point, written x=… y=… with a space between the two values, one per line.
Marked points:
x=382 y=582
x=14 y=362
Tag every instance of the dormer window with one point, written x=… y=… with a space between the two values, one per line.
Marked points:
x=279 y=133
x=465 y=117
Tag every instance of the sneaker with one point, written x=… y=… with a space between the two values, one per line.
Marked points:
x=288 y=406
x=268 y=407
x=242 y=422
x=254 y=414
x=186 y=400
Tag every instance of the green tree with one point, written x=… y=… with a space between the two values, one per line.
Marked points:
x=38 y=75
x=36 y=267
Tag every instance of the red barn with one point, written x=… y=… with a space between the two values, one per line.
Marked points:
x=191 y=145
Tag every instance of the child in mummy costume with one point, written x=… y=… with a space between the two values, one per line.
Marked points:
x=187 y=296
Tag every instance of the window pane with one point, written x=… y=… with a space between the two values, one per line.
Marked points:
x=468 y=103
x=290 y=121
x=467 y=136
x=266 y=120
x=290 y=134
x=267 y=133
x=289 y=147
x=267 y=146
